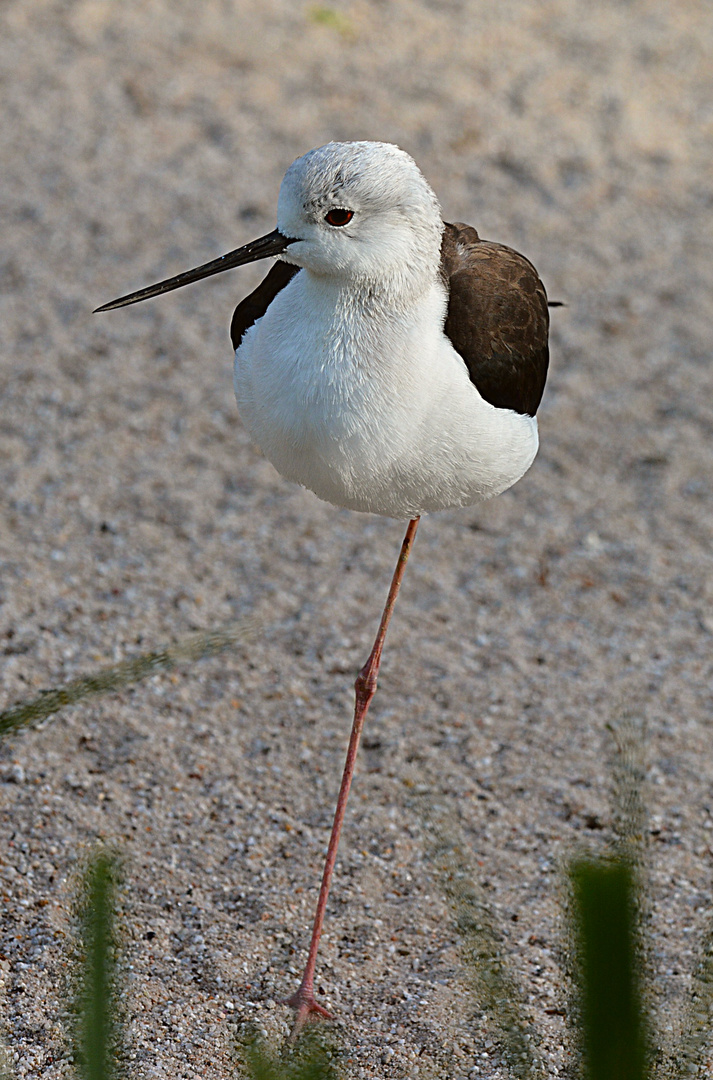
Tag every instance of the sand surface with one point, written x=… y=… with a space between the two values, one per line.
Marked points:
x=141 y=138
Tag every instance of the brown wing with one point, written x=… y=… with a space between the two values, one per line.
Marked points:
x=497 y=318
x=254 y=306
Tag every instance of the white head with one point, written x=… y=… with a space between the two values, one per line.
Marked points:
x=361 y=210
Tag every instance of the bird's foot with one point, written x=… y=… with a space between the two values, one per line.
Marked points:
x=306 y=1007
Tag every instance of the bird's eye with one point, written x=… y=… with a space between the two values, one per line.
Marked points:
x=339 y=217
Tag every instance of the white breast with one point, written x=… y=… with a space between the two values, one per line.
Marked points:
x=367 y=403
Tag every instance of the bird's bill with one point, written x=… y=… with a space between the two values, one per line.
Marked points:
x=273 y=243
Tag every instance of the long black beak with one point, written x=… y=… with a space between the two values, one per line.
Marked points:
x=272 y=244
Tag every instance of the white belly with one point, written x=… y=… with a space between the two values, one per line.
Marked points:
x=373 y=411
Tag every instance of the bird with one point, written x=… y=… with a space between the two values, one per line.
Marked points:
x=390 y=362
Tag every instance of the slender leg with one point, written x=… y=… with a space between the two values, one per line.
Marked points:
x=303 y=1000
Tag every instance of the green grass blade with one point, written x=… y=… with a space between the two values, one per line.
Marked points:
x=96 y=1027
x=486 y=969
x=312 y=1057
x=257 y=1062
x=117 y=676
x=628 y=770
x=614 y=1033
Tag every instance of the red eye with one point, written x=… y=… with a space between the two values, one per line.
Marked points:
x=339 y=217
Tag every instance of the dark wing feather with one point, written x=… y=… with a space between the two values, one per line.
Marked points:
x=254 y=306
x=497 y=318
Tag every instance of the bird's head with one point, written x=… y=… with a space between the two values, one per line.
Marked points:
x=360 y=210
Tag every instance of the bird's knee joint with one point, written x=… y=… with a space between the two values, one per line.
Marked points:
x=365 y=685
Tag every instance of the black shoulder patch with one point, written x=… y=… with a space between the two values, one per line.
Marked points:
x=497 y=318
x=254 y=306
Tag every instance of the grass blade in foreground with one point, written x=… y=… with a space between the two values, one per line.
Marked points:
x=107 y=679
x=486 y=968
x=614 y=1036
x=312 y=1057
x=96 y=1025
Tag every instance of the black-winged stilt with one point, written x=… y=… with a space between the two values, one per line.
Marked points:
x=389 y=362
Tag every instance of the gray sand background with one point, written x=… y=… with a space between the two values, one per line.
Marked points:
x=142 y=138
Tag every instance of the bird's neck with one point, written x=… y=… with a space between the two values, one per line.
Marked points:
x=385 y=296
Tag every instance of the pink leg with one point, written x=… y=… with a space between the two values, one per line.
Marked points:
x=303 y=1000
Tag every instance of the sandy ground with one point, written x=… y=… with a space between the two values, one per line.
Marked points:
x=142 y=138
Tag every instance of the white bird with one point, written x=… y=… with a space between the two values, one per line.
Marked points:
x=389 y=362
